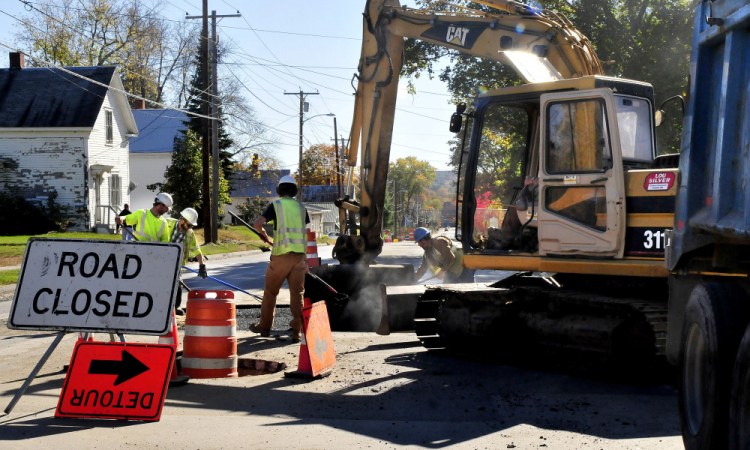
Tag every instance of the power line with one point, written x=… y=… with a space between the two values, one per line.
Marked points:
x=121 y=91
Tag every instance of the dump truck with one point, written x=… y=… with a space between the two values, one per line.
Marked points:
x=708 y=334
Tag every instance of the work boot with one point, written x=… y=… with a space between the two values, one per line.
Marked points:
x=263 y=332
x=295 y=336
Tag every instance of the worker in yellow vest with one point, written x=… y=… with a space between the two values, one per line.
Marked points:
x=150 y=224
x=181 y=232
x=288 y=259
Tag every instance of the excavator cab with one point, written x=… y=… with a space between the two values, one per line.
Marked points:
x=543 y=172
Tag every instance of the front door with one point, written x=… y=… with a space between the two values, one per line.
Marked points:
x=581 y=182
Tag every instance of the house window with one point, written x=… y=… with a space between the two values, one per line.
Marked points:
x=110 y=133
x=115 y=190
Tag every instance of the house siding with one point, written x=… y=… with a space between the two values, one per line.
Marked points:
x=36 y=165
x=147 y=168
x=116 y=155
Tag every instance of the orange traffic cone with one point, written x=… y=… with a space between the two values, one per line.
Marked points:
x=312 y=250
x=172 y=338
x=316 y=353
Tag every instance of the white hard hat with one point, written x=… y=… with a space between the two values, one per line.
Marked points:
x=287 y=179
x=164 y=198
x=190 y=215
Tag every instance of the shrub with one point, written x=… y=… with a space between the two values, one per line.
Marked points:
x=20 y=216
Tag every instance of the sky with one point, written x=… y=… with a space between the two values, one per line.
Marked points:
x=282 y=48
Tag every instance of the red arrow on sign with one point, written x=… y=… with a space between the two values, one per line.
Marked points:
x=126 y=368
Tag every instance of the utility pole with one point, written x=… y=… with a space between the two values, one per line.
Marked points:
x=395 y=210
x=210 y=135
x=338 y=166
x=301 y=121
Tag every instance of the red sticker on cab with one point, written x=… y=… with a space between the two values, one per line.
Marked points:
x=659 y=181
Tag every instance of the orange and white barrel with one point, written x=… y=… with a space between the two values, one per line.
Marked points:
x=312 y=250
x=210 y=340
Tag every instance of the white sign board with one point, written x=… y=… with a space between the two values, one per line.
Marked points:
x=87 y=285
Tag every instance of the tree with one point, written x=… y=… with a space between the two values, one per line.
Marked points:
x=411 y=178
x=319 y=165
x=639 y=39
x=129 y=33
x=252 y=208
x=184 y=174
x=180 y=174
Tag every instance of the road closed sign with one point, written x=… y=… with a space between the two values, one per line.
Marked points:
x=88 y=285
x=115 y=380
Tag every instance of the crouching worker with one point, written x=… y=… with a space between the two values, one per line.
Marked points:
x=446 y=258
x=181 y=231
x=288 y=258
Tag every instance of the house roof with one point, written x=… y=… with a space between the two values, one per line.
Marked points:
x=53 y=98
x=320 y=193
x=330 y=210
x=157 y=129
x=261 y=184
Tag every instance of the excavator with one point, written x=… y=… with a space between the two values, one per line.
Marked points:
x=559 y=188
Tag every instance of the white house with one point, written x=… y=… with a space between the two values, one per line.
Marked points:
x=151 y=151
x=65 y=131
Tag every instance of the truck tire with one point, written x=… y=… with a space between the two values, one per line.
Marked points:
x=714 y=323
x=739 y=408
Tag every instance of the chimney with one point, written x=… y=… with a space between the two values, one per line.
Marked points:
x=16 y=60
x=137 y=103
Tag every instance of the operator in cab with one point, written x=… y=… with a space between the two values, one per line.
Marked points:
x=443 y=257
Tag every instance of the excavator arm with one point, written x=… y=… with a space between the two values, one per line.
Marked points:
x=539 y=44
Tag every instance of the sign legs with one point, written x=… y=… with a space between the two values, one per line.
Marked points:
x=34 y=372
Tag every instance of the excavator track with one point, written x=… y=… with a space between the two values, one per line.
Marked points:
x=520 y=318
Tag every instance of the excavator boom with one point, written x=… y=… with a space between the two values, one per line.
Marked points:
x=540 y=45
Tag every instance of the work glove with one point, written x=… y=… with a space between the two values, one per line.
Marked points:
x=202 y=271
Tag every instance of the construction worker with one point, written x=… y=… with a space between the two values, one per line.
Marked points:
x=150 y=224
x=441 y=254
x=181 y=231
x=288 y=259
x=127 y=232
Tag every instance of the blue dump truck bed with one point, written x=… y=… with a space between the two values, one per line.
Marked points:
x=714 y=192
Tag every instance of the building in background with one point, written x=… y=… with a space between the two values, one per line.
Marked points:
x=64 y=134
x=151 y=151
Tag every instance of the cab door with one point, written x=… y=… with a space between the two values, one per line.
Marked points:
x=581 y=180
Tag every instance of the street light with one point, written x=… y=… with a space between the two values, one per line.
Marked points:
x=302 y=120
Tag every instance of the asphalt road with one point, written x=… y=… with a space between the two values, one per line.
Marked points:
x=384 y=392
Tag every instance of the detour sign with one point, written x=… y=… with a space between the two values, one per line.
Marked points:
x=116 y=380
x=84 y=285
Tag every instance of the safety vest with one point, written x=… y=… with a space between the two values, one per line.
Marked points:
x=190 y=246
x=150 y=228
x=289 y=235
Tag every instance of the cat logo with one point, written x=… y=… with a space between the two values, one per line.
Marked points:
x=457 y=35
